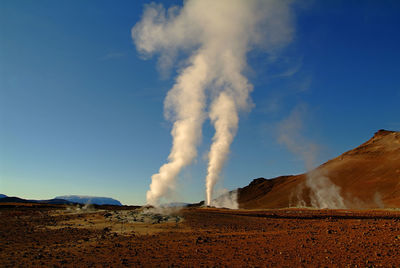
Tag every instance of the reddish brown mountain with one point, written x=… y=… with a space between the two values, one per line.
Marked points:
x=368 y=177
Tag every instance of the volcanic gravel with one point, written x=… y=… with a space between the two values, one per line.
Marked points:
x=205 y=237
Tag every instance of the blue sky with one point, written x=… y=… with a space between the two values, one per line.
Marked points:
x=82 y=113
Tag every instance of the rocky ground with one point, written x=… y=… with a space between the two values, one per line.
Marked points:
x=61 y=236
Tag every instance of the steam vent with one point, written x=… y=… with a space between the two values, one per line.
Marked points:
x=368 y=176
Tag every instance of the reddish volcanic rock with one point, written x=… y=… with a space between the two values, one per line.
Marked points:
x=368 y=176
x=40 y=237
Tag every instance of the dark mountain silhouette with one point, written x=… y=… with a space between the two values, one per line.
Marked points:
x=14 y=199
x=68 y=200
x=95 y=200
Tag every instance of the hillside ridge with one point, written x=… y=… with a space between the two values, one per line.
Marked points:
x=367 y=176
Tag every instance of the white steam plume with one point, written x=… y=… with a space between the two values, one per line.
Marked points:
x=186 y=100
x=226 y=199
x=224 y=116
x=217 y=34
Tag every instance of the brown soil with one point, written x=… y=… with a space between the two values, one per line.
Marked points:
x=58 y=237
x=368 y=176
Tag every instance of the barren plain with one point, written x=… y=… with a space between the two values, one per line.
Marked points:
x=61 y=236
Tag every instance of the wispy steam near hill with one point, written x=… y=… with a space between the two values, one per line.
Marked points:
x=367 y=176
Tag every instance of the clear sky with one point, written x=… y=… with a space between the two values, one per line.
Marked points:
x=82 y=113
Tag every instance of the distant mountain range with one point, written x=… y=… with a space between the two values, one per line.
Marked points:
x=64 y=200
x=13 y=199
x=90 y=200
